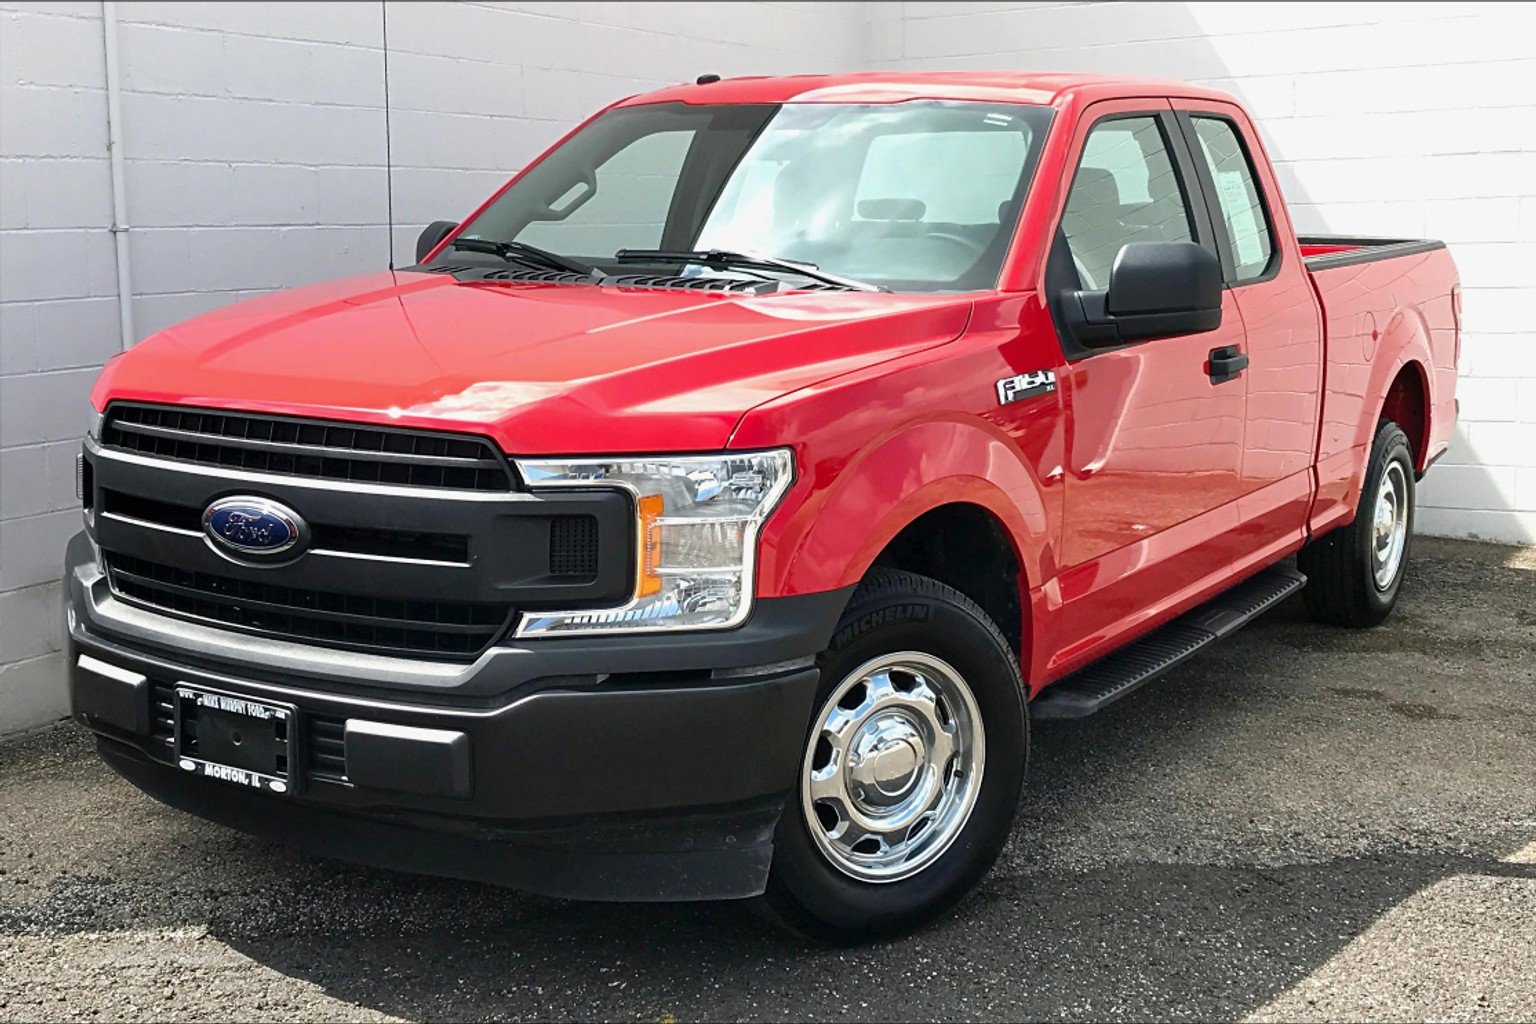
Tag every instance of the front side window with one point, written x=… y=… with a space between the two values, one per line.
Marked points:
x=1242 y=207
x=915 y=196
x=1125 y=190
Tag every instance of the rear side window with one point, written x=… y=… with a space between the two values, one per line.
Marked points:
x=1242 y=206
x=1125 y=190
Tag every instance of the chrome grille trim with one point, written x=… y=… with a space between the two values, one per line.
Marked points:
x=242 y=476
x=429 y=628
x=294 y=448
x=291 y=446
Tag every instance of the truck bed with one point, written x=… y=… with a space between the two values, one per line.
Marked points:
x=1386 y=303
x=1324 y=252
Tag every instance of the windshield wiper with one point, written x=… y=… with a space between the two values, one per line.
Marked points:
x=522 y=252
x=725 y=258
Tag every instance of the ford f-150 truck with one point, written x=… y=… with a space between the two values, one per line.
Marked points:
x=708 y=513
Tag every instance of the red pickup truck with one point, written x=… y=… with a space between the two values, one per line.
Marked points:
x=707 y=514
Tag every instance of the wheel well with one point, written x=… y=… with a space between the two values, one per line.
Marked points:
x=1406 y=405
x=965 y=547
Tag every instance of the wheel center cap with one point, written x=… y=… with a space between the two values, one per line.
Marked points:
x=1386 y=519
x=885 y=761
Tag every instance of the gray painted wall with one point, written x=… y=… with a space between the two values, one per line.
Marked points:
x=1407 y=119
x=254 y=141
x=255 y=159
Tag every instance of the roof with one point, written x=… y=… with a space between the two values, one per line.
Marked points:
x=1047 y=88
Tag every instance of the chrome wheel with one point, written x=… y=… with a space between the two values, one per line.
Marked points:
x=893 y=766
x=1389 y=525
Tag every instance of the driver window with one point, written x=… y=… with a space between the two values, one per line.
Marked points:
x=629 y=207
x=1125 y=190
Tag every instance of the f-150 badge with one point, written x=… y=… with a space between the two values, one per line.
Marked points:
x=1025 y=385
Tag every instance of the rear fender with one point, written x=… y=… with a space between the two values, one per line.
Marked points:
x=1404 y=343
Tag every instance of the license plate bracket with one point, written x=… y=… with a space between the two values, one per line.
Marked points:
x=236 y=739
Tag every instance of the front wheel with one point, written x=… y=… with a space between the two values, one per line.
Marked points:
x=912 y=766
x=1355 y=572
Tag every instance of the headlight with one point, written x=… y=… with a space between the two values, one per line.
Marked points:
x=93 y=423
x=696 y=530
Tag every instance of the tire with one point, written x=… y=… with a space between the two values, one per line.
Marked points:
x=921 y=637
x=1342 y=567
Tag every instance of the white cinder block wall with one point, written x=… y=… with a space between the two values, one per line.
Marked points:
x=254 y=141
x=1414 y=120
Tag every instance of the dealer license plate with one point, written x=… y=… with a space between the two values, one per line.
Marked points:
x=234 y=739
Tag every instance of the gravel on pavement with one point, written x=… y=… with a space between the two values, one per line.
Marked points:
x=1304 y=823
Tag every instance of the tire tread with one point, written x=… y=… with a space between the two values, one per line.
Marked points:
x=784 y=908
x=1333 y=563
x=882 y=582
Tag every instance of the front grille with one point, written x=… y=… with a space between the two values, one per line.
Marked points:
x=318 y=449
x=454 y=629
x=425 y=573
x=410 y=545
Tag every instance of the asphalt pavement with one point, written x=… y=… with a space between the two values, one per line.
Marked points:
x=1305 y=823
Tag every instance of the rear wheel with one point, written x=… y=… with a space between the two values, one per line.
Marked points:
x=1354 y=573
x=912 y=765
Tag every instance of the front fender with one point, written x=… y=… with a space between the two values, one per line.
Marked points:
x=834 y=535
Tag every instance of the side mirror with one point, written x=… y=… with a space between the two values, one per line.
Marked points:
x=431 y=236
x=1156 y=290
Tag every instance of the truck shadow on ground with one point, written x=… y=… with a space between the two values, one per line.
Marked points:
x=1134 y=942
x=1144 y=879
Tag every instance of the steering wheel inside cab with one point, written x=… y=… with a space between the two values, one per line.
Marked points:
x=903 y=218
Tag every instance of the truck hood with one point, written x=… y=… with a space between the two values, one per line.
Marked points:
x=542 y=369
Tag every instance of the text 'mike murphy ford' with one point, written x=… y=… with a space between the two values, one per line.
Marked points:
x=707 y=515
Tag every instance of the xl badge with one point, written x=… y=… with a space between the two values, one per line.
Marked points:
x=1025 y=385
x=253 y=528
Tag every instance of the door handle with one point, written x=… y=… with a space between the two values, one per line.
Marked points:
x=1226 y=363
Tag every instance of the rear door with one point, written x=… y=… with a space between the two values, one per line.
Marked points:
x=1266 y=277
x=1155 y=446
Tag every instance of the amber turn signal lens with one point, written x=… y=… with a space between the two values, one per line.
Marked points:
x=647 y=583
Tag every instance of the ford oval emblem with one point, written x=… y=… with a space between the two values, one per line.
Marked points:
x=253 y=528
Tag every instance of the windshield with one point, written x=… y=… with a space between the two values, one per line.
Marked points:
x=917 y=196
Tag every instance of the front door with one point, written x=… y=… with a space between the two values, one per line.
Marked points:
x=1155 y=441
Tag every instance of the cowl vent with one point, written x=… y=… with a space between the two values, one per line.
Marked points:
x=538 y=276
x=666 y=282
x=692 y=284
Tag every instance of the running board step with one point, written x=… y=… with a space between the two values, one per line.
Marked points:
x=1107 y=680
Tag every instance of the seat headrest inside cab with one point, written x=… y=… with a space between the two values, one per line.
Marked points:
x=892 y=209
x=1095 y=187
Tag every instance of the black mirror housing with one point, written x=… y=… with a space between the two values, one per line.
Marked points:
x=1156 y=290
x=1163 y=277
x=431 y=236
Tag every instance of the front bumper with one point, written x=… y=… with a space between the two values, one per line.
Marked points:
x=647 y=768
